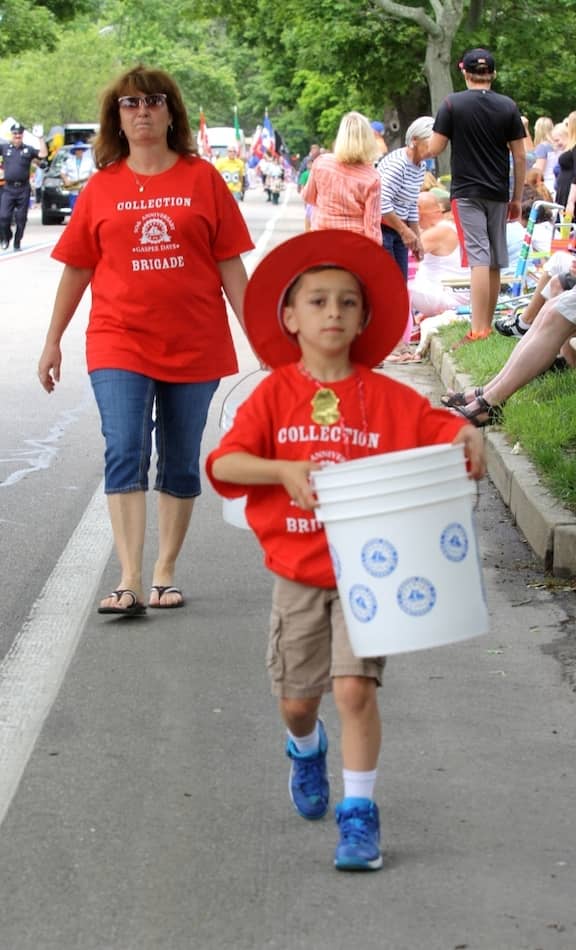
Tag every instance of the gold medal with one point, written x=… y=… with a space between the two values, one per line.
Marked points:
x=325 y=407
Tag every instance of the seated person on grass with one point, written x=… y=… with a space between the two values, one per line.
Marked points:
x=550 y=333
x=558 y=274
x=441 y=260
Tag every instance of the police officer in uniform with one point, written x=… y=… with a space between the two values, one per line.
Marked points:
x=15 y=195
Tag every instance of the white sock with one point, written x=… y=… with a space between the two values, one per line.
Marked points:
x=307 y=745
x=522 y=325
x=359 y=784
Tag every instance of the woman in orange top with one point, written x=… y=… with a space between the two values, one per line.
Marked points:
x=344 y=186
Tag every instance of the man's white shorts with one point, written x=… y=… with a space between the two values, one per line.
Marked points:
x=565 y=304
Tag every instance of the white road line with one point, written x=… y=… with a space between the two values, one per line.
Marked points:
x=253 y=257
x=34 y=668
x=30 y=249
x=40 y=453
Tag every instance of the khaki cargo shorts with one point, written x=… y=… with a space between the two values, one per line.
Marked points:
x=309 y=644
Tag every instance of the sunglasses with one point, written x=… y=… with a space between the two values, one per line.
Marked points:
x=154 y=101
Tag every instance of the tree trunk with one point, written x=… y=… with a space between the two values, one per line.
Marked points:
x=437 y=72
x=440 y=26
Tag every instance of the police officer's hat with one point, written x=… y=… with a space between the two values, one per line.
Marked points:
x=17 y=127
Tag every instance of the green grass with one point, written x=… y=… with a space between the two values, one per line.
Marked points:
x=541 y=416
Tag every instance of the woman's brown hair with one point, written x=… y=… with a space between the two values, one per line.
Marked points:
x=110 y=145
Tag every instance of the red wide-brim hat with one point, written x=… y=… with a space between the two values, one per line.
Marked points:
x=381 y=279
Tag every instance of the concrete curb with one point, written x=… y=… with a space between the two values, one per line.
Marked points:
x=549 y=528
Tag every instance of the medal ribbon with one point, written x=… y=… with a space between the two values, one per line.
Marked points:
x=326 y=405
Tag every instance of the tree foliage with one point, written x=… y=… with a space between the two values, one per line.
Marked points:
x=66 y=10
x=307 y=63
x=533 y=44
x=24 y=25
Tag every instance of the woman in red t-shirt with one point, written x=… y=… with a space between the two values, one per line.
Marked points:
x=157 y=236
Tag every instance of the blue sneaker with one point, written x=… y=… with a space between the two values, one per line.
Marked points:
x=308 y=782
x=359 y=846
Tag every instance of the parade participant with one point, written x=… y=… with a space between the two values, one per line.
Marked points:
x=315 y=313
x=483 y=128
x=158 y=237
x=15 y=195
x=232 y=169
x=263 y=169
x=274 y=183
x=77 y=169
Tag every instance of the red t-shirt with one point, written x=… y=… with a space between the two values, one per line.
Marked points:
x=275 y=422
x=157 y=302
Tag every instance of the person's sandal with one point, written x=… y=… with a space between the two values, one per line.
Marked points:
x=483 y=415
x=453 y=400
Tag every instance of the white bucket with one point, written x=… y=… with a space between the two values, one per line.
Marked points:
x=388 y=465
x=407 y=567
x=234 y=509
x=383 y=486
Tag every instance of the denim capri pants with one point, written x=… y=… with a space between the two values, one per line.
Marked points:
x=132 y=406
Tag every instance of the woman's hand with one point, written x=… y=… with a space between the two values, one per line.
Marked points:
x=49 y=366
x=411 y=240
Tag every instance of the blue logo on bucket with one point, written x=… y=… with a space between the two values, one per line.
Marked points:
x=363 y=603
x=379 y=557
x=416 y=596
x=454 y=542
x=335 y=561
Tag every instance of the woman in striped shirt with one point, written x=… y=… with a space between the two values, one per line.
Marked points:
x=402 y=174
x=344 y=186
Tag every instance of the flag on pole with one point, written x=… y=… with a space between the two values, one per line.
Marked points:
x=268 y=137
x=256 y=143
x=236 y=125
x=203 y=141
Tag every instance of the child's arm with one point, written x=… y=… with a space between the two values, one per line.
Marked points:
x=245 y=469
x=473 y=442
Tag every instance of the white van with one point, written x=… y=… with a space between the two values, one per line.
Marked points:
x=221 y=137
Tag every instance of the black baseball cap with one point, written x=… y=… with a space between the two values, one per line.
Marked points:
x=478 y=61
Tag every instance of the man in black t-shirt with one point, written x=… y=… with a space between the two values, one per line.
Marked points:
x=484 y=128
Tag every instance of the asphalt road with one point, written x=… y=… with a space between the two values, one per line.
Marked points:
x=143 y=785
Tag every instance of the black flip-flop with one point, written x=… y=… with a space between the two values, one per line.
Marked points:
x=132 y=610
x=165 y=590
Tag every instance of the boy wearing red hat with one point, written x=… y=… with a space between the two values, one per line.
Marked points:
x=315 y=313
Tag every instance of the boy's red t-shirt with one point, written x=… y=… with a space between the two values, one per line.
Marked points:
x=380 y=414
x=157 y=301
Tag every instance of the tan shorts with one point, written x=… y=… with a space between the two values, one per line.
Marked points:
x=309 y=644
